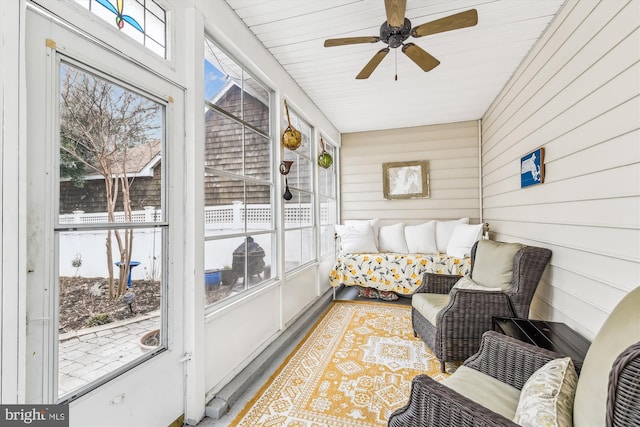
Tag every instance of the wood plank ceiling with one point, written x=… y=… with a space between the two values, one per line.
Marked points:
x=476 y=62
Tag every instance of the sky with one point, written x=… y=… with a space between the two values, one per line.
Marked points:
x=214 y=80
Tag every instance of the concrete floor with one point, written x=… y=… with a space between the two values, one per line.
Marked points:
x=260 y=380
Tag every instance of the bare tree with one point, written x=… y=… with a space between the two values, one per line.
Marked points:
x=99 y=123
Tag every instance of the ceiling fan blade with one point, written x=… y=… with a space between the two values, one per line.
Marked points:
x=418 y=55
x=350 y=40
x=395 y=12
x=452 y=22
x=373 y=63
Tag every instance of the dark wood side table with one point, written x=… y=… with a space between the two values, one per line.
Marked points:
x=554 y=336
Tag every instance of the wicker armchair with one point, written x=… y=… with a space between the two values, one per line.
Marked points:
x=607 y=392
x=466 y=314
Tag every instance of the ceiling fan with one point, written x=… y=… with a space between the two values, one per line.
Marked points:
x=396 y=29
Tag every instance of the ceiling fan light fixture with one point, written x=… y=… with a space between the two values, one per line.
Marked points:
x=395 y=36
x=397 y=28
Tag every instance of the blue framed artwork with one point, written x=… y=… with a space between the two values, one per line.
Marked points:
x=532 y=168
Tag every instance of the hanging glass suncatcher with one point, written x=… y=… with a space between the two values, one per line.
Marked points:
x=325 y=160
x=291 y=137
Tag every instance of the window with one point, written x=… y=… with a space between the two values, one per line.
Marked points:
x=327 y=192
x=300 y=236
x=239 y=225
x=142 y=20
x=111 y=227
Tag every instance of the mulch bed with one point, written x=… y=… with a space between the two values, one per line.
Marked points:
x=85 y=302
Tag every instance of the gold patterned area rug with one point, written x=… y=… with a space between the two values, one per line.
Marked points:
x=354 y=368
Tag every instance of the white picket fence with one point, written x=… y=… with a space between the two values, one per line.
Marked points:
x=89 y=246
x=221 y=217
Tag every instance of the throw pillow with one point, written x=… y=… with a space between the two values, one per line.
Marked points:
x=462 y=239
x=373 y=223
x=444 y=230
x=388 y=295
x=466 y=282
x=546 y=398
x=421 y=239
x=493 y=263
x=391 y=238
x=356 y=238
x=368 y=292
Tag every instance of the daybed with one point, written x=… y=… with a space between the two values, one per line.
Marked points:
x=394 y=258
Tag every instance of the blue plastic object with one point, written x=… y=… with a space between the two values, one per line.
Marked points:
x=212 y=278
x=131 y=265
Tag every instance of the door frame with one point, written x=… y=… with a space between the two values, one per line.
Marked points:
x=154 y=398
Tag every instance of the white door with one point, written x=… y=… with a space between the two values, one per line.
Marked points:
x=104 y=247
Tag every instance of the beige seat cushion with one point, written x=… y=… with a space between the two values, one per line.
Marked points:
x=485 y=390
x=619 y=331
x=429 y=305
x=493 y=264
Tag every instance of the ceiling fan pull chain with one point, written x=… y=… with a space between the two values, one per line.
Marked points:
x=396 y=52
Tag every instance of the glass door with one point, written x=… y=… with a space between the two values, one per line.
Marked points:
x=104 y=133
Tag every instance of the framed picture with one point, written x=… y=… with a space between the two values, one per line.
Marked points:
x=532 y=168
x=405 y=180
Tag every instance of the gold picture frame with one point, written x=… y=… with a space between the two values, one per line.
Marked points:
x=405 y=180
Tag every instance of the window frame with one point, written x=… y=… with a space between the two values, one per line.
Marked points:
x=300 y=123
x=246 y=179
x=163 y=224
x=322 y=226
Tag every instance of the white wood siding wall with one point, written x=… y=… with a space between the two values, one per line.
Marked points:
x=453 y=154
x=577 y=95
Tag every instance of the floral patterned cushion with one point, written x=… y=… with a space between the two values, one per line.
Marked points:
x=546 y=398
x=394 y=272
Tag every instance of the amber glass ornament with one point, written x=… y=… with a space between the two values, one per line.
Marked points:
x=291 y=137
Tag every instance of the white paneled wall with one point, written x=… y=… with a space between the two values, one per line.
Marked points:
x=577 y=94
x=452 y=152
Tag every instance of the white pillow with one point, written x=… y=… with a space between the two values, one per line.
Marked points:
x=373 y=223
x=356 y=239
x=444 y=230
x=465 y=282
x=546 y=398
x=391 y=238
x=462 y=239
x=421 y=239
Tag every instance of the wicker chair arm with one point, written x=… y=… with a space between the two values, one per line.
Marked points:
x=433 y=283
x=469 y=310
x=480 y=301
x=509 y=360
x=434 y=404
x=624 y=393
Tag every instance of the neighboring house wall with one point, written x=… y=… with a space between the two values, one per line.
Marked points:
x=144 y=191
x=452 y=152
x=224 y=150
x=577 y=95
